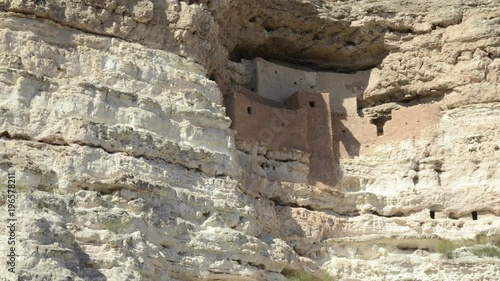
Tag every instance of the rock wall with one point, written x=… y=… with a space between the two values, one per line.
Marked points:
x=112 y=119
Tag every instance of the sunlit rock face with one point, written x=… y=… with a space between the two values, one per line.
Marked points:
x=127 y=166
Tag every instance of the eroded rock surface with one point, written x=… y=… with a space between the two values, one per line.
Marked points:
x=112 y=118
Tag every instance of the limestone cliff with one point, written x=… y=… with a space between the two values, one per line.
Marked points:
x=112 y=118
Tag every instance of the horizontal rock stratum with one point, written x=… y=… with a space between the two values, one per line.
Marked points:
x=127 y=165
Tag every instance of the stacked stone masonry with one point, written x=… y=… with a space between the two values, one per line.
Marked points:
x=317 y=112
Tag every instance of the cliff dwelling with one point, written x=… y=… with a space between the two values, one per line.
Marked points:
x=301 y=109
x=287 y=106
x=219 y=141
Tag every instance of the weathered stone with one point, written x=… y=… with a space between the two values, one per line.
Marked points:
x=112 y=118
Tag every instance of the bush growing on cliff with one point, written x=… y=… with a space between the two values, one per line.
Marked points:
x=446 y=247
x=491 y=251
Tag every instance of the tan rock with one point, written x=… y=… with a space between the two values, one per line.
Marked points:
x=112 y=118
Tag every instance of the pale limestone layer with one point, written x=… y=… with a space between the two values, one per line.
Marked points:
x=127 y=170
x=107 y=93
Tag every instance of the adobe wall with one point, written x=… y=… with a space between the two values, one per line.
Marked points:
x=419 y=121
x=323 y=163
x=278 y=82
x=350 y=131
x=258 y=122
x=356 y=135
x=351 y=135
x=317 y=112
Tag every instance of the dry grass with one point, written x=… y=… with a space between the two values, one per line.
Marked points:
x=490 y=248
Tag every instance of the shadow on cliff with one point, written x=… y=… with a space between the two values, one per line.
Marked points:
x=323 y=159
x=336 y=141
x=342 y=134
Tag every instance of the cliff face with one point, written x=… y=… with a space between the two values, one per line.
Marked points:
x=112 y=119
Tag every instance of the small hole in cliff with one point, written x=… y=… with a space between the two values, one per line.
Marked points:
x=312 y=87
x=432 y=214
x=349 y=43
x=312 y=104
x=249 y=110
x=282 y=124
x=474 y=215
x=275 y=72
x=253 y=89
x=295 y=83
x=497 y=148
x=415 y=180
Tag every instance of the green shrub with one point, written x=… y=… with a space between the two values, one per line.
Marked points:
x=446 y=247
x=487 y=251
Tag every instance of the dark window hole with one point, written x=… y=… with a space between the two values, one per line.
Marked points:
x=380 y=123
x=349 y=43
x=249 y=110
x=432 y=214
x=312 y=104
x=415 y=180
x=474 y=215
x=295 y=83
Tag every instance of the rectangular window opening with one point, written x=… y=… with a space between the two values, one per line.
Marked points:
x=474 y=215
